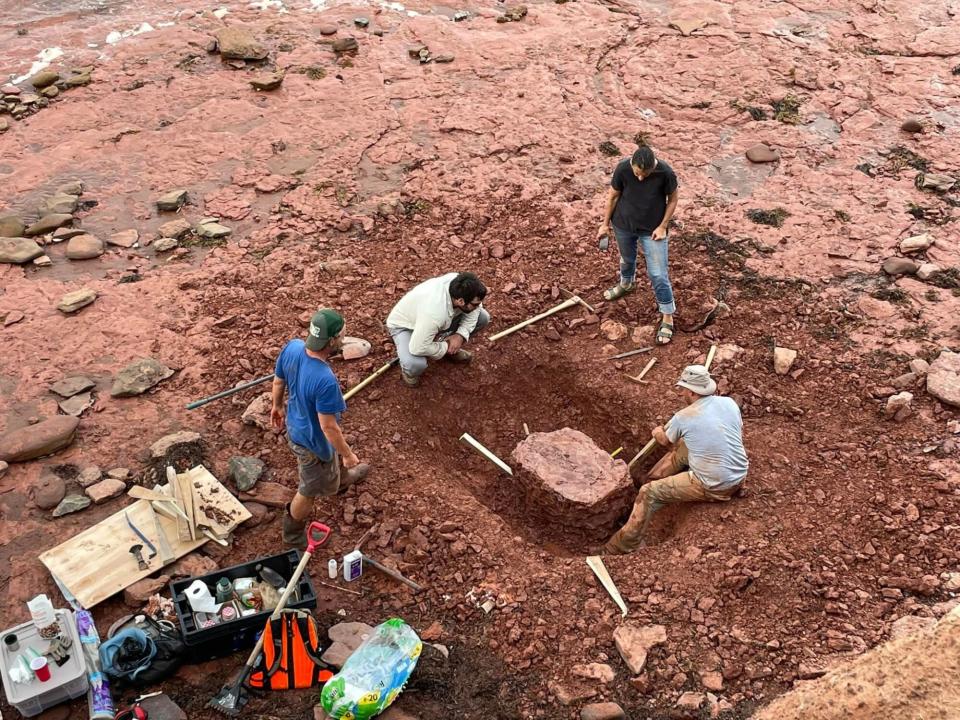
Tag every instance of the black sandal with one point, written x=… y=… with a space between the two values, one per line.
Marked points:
x=664 y=333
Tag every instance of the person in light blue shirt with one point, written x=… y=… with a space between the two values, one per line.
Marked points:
x=707 y=461
x=312 y=419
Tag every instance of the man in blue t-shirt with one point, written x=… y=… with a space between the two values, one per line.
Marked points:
x=312 y=420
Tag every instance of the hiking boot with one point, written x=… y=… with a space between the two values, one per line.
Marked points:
x=461 y=357
x=410 y=380
x=294 y=531
x=352 y=476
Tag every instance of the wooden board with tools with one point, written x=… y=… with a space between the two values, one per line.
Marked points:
x=98 y=563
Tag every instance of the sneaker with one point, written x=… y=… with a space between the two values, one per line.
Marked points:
x=461 y=357
x=352 y=476
x=409 y=380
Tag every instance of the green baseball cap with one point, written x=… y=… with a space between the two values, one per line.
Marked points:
x=324 y=325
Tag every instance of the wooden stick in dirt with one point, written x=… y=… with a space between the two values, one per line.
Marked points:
x=616 y=452
x=710 y=353
x=369 y=379
x=568 y=303
x=646 y=369
x=476 y=445
x=337 y=587
x=600 y=570
x=647 y=449
x=526 y=430
x=629 y=353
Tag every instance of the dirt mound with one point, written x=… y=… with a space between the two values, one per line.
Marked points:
x=912 y=677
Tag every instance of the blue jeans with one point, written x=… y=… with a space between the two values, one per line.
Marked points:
x=655 y=254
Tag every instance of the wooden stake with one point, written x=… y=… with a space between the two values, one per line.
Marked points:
x=183 y=519
x=163 y=545
x=486 y=453
x=369 y=379
x=646 y=369
x=600 y=570
x=337 y=587
x=616 y=452
x=526 y=430
x=570 y=302
x=647 y=449
x=710 y=353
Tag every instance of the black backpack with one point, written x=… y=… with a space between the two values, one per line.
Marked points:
x=142 y=655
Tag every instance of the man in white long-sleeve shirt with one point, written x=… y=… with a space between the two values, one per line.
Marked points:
x=434 y=320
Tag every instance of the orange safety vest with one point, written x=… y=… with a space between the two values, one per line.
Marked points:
x=291 y=654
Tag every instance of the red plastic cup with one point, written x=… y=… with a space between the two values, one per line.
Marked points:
x=40 y=668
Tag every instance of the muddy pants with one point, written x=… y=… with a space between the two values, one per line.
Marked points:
x=681 y=486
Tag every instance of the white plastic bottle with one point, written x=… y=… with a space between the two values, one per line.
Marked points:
x=332 y=568
x=43 y=616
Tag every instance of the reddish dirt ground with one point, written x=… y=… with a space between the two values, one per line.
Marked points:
x=402 y=172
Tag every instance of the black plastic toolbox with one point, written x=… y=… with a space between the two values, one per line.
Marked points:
x=240 y=634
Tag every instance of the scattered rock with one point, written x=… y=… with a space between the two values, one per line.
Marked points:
x=137 y=594
x=65 y=233
x=919 y=367
x=917 y=243
x=12 y=318
x=59 y=204
x=84 y=247
x=173 y=200
x=690 y=701
x=899 y=266
x=327 y=30
x=936 y=182
x=77 y=404
x=161 y=707
x=513 y=13
x=269 y=81
x=443 y=59
x=910 y=625
x=37 y=440
x=951 y=581
x=139 y=376
x=74 y=385
x=361 y=22
x=73 y=301
x=119 y=474
x=50 y=92
x=258 y=514
x=783 y=359
x=943 y=378
x=212 y=230
x=911 y=513
x=79 y=79
x=105 y=490
x=18 y=250
x=11 y=227
x=345 y=637
x=594 y=671
x=44 y=78
x=898 y=406
x=634 y=642
x=192 y=565
x=125 y=238
x=175 y=442
x=49 y=490
x=642 y=334
x=74 y=187
x=762 y=154
x=42 y=261
x=613 y=330
x=602 y=711
x=567 y=694
x=71 y=504
x=345 y=45
x=912 y=125
x=258 y=412
x=89 y=476
x=48 y=224
x=166 y=244
x=712 y=680
x=810 y=672
x=726 y=353
x=245 y=471
x=270 y=494
x=927 y=270
x=175 y=229
x=238 y=43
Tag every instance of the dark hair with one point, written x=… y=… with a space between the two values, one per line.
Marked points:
x=466 y=286
x=643 y=158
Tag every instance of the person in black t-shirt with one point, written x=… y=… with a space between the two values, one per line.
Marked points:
x=640 y=205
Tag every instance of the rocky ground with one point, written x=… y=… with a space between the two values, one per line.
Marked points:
x=190 y=220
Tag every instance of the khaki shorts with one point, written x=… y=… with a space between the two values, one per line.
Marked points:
x=317 y=478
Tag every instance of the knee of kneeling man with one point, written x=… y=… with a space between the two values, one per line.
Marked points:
x=416 y=365
x=483 y=319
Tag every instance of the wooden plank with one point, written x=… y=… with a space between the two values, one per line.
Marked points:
x=96 y=563
x=185 y=493
x=206 y=507
x=183 y=522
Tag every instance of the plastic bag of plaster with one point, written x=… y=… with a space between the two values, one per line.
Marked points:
x=373 y=676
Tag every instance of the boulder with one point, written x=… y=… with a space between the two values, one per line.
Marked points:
x=173 y=200
x=900 y=266
x=634 y=642
x=71 y=504
x=565 y=476
x=49 y=490
x=59 y=204
x=139 y=376
x=258 y=412
x=175 y=442
x=37 y=440
x=245 y=471
x=783 y=359
x=141 y=591
x=70 y=386
x=18 y=250
x=355 y=348
x=84 y=247
x=762 y=154
x=267 y=81
x=175 y=229
x=105 y=490
x=898 y=406
x=238 y=43
x=48 y=224
x=124 y=238
x=73 y=301
x=943 y=378
x=916 y=243
x=602 y=711
x=11 y=226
